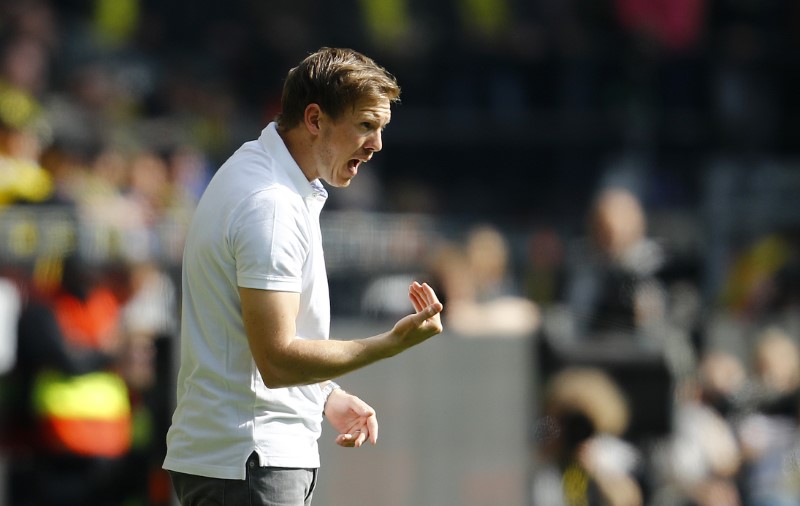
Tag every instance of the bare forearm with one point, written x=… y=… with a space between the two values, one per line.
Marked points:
x=303 y=362
x=286 y=360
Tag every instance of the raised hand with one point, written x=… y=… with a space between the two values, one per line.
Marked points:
x=426 y=322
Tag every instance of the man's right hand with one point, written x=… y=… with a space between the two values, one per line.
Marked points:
x=425 y=323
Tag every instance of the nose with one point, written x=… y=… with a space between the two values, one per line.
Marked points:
x=374 y=142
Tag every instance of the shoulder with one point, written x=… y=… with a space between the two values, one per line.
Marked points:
x=276 y=198
x=274 y=211
x=251 y=181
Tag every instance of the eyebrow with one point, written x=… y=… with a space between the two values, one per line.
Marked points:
x=374 y=118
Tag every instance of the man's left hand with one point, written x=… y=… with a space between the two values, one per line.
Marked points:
x=355 y=420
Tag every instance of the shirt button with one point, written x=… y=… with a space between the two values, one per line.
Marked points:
x=251 y=464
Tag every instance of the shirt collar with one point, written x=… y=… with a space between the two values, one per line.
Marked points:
x=273 y=144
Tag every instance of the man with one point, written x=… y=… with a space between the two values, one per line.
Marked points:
x=256 y=361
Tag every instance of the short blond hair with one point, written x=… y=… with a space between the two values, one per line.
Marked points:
x=334 y=79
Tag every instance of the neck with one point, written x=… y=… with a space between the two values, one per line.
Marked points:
x=300 y=147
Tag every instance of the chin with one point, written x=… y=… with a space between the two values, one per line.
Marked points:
x=335 y=183
x=340 y=183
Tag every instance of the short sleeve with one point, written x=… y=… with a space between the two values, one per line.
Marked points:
x=269 y=240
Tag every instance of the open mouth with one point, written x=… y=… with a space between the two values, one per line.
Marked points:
x=353 y=165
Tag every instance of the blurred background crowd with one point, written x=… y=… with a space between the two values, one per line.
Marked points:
x=614 y=180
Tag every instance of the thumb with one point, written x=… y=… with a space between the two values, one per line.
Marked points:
x=429 y=312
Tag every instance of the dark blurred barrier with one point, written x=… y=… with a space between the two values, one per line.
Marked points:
x=454 y=419
x=640 y=373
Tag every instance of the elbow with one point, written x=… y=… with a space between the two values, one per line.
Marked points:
x=282 y=370
x=274 y=384
x=271 y=372
x=274 y=377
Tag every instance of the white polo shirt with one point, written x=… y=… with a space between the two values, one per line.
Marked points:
x=256 y=226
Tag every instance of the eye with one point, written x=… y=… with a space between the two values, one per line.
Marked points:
x=366 y=125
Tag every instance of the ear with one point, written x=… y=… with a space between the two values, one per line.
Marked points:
x=311 y=118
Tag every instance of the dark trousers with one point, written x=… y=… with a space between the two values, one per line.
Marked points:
x=262 y=486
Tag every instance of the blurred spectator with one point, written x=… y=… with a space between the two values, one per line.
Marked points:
x=33 y=18
x=166 y=203
x=700 y=462
x=621 y=283
x=133 y=206
x=770 y=435
x=150 y=308
x=117 y=220
x=24 y=64
x=761 y=287
x=22 y=179
x=613 y=287
x=476 y=284
x=149 y=185
x=149 y=322
x=724 y=383
x=582 y=458
x=78 y=407
x=704 y=458
x=490 y=264
x=190 y=170
x=777 y=366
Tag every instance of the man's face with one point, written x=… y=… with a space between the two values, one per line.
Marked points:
x=351 y=140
